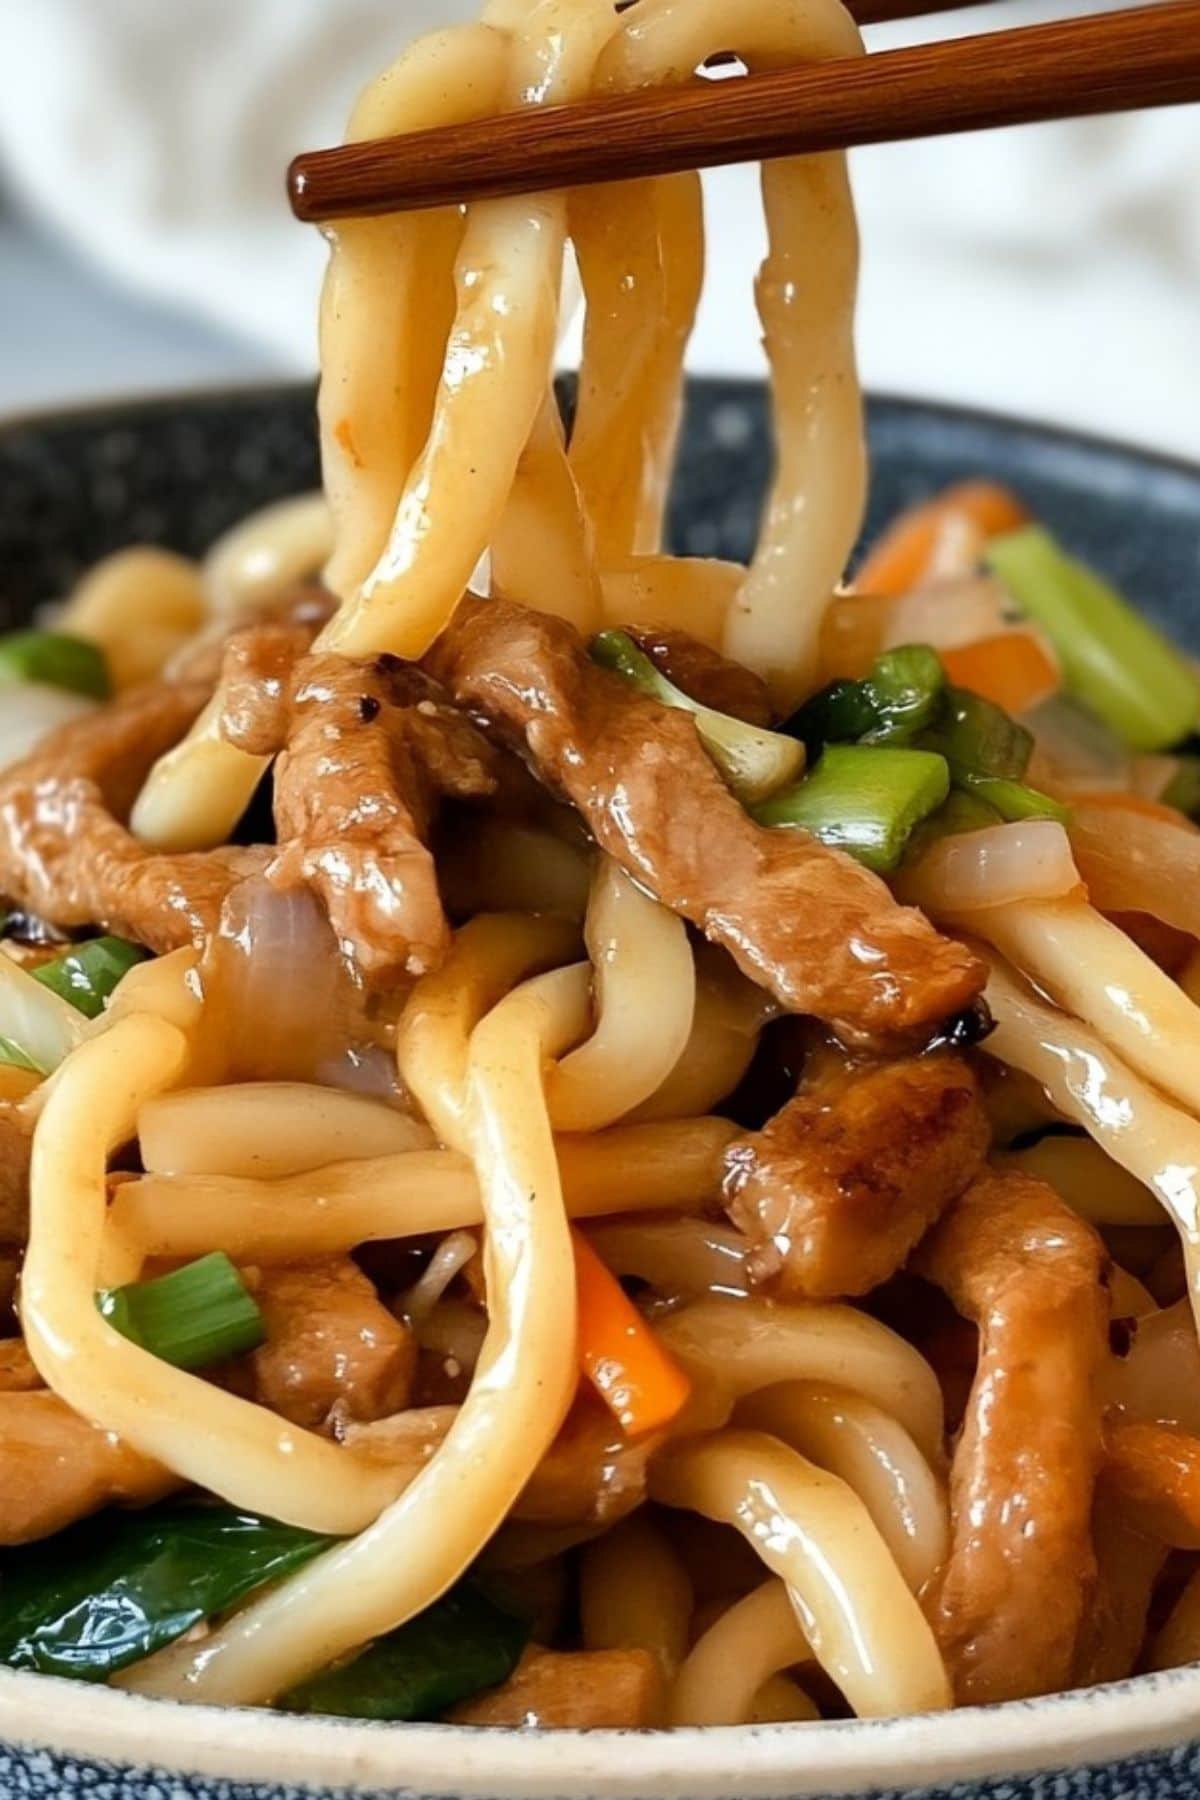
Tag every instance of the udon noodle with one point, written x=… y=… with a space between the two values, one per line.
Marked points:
x=511 y=1160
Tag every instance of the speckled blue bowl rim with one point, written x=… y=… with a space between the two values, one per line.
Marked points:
x=1133 y=1730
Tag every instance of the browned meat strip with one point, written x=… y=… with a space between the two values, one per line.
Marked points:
x=1009 y=1603
x=815 y=927
x=55 y=1468
x=332 y=1346
x=841 y=1185
x=371 y=750
x=64 y=851
x=582 y=1690
x=705 y=674
x=17 y=1373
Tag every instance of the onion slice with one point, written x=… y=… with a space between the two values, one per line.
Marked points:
x=972 y=870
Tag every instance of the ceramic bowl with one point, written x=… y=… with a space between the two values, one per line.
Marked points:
x=178 y=472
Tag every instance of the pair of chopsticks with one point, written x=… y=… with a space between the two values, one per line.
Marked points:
x=1113 y=62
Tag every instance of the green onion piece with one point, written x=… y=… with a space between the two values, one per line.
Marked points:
x=899 y=698
x=87 y=973
x=864 y=800
x=1183 y=789
x=462 y=1644
x=961 y=812
x=841 y=713
x=1112 y=658
x=977 y=737
x=1014 y=801
x=103 y=1594
x=905 y=688
x=197 y=1315
x=55 y=659
x=753 y=762
x=16 y=1058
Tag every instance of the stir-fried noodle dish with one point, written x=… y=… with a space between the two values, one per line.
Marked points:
x=590 y=1138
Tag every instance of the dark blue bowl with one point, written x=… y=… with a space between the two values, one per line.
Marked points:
x=178 y=472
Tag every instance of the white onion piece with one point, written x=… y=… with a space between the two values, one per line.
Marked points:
x=949 y=614
x=1159 y=1380
x=29 y=710
x=35 y=1018
x=276 y=988
x=1031 y=860
x=1074 y=750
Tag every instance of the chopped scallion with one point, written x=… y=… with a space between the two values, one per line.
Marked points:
x=864 y=800
x=87 y=973
x=1014 y=801
x=754 y=762
x=1111 y=656
x=898 y=699
x=978 y=738
x=195 y=1316
x=56 y=660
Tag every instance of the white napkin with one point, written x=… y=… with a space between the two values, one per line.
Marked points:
x=1052 y=271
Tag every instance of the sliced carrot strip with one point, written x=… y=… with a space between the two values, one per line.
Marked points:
x=1013 y=669
x=633 y=1373
x=905 y=551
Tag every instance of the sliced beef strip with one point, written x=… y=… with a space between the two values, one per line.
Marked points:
x=370 y=751
x=850 y=1175
x=1009 y=1604
x=15 y=1146
x=817 y=929
x=332 y=1346
x=64 y=849
x=704 y=674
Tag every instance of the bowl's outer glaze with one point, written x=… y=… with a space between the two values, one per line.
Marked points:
x=178 y=472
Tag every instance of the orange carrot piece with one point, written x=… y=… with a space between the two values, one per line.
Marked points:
x=1013 y=669
x=633 y=1373
x=905 y=551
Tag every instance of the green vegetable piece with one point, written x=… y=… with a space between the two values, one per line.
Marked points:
x=87 y=974
x=753 y=762
x=905 y=689
x=976 y=737
x=864 y=800
x=16 y=1058
x=194 y=1316
x=103 y=1594
x=458 y=1646
x=841 y=713
x=55 y=659
x=1112 y=658
x=1014 y=801
x=961 y=812
x=1183 y=789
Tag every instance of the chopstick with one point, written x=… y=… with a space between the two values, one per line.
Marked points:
x=1114 y=62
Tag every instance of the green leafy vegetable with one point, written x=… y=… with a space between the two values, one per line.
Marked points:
x=1112 y=658
x=753 y=762
x=195 y=1316
x=898 y=699
x=460 y=1645
x=56 y=660
x=16 y=1058
x=863 y=799
x=107 y=1592
x=87 y=973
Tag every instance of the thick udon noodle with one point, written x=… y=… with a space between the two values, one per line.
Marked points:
x=555 y=1060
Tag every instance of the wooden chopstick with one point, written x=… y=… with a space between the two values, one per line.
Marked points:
x=1113 y=62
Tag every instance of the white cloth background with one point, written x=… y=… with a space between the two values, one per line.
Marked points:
x=1053 y=271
